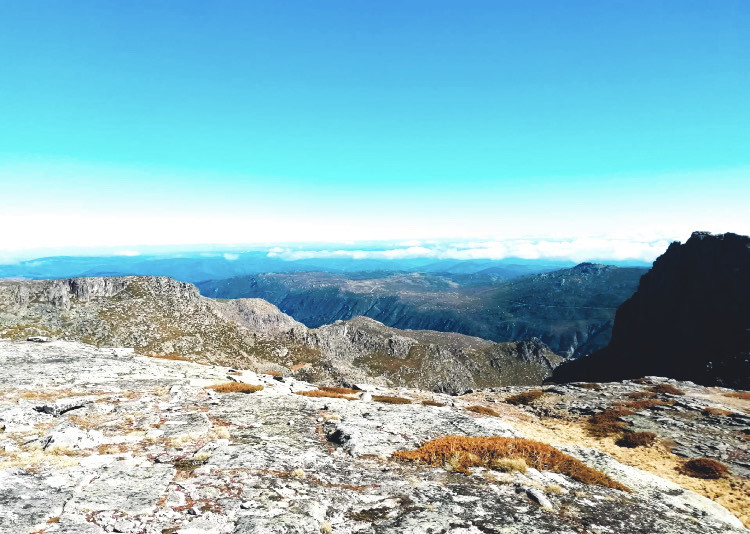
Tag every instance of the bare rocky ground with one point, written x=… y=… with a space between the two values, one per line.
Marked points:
x=105 y=440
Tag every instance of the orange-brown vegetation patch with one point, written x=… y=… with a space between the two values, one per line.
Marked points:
x=644 y=404
x=235 y=373
x=297 y=366
x=636 y=439
x=483 y=410
x=636 y=395
x=642 y=380
x=607 y=423
x=390 y=400
x=704 y=468
x=732 y=492
x=716 y=412
x=666 y=388
x=343 y=391
x=170 y=356
x=433 y=403
x=235 y=387
x=462 y=452
x=590 y=385
x=320 y=393
x=744 y=395
x=273 y=373
x=526 y=397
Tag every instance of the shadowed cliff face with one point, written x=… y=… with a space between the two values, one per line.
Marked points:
x=689 y=319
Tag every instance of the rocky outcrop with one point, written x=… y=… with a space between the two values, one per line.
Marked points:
x=158 y=315
x=143 y=447
x=689 y=319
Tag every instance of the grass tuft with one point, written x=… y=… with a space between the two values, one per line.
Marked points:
x=607 y=423
x=462 y=452
x=320 y=393
x=433 y=403
x=704 y=468
x=390 y=400
x=632 y=440
x=525 y=398
x=343 y=391
x=483 y=410
x=666 y=388
x=716 y=412
x=744 y=395
x=235 y=387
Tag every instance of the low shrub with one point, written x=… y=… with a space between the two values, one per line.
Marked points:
x=704 y=468
x=483 y=410
x=525 y=398
x=320 y=393
x=666 y=388
x=462 y=452
x=642 y=380
x=636 y=439
x=171 y=356
x=716 y=412
x=636 y=395
x=644 y=404
x=433 y=403
x=744 y=395
x=607 y=423
x=343 y=391
x=390 y=400
x=235 y=387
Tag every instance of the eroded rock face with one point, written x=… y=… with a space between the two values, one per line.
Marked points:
x=172 y=456
x=158 y=315
x=689 y=319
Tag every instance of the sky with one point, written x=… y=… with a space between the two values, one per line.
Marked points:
x=133 y=124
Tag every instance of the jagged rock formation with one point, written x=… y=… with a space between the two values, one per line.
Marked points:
x=570 y=310
x=139 y=445
x=158 y=315
x=689 y=319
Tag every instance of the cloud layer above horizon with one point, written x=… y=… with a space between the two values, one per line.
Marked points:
x=577 y=250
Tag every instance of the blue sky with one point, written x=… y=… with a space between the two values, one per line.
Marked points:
x=148 y=123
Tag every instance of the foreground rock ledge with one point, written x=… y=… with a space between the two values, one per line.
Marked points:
x=100 y=440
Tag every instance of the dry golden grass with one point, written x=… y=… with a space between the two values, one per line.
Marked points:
x=319 y=393
x=731 y=492
x=433 y=403
x=636 y=395
x=704 y=468
x=462 y=452
x=235 y=373
x=607 y=423
x=235 y=387
x=297 y=366
x=343 y=391
x=483 y=410
x=390 y=400
x=644 y=404
x=716 y=412
x=744 y=395
x=636 y=439
x=525 y=398
x=273 y=373
x=666 y=388
x=170 y=356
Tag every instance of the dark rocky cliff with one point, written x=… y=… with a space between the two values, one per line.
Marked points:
x=689 y=319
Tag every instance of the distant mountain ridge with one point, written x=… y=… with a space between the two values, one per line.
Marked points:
x=571 y=310
x=158 y=315
x=689 y=319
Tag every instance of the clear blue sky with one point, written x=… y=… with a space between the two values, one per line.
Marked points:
x=448 y=118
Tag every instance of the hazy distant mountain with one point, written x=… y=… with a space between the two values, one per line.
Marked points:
x=571 y=310
x=197 y=267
